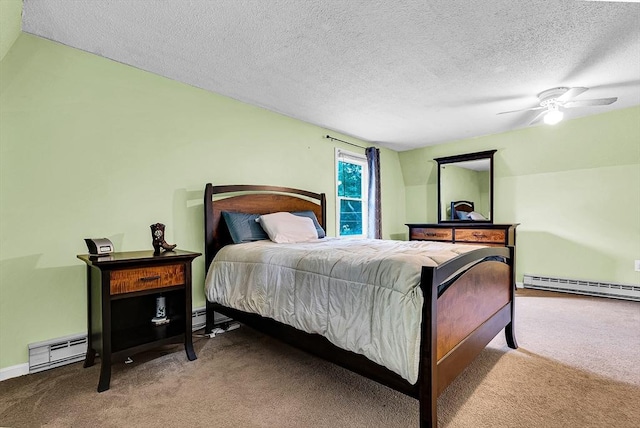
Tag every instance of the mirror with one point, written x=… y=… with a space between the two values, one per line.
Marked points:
x=465 y=187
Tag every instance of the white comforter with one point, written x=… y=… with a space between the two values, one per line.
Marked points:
x=363 y=295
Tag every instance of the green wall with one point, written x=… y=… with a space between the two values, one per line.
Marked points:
x=573 y=187
x=10 y=24
x=93 y=148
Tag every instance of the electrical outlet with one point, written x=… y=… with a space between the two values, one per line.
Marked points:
x=637 y=265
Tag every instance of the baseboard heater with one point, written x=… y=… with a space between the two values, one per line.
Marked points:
x=70 y=349
x=57 y=352
x=590 y=288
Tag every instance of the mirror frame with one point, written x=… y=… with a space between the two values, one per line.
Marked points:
x=488 y=154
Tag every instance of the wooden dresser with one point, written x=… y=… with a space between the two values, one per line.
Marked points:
x=465 y=233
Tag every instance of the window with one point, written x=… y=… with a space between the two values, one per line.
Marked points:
x=351 y=194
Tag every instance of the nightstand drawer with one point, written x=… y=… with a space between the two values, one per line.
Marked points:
x=431 y=234
x=481 y=235
x=129 y=280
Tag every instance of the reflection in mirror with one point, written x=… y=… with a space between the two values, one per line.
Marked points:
x=465 y=187
x=468 y=182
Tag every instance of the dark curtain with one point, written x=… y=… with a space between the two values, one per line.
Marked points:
x=375 y=207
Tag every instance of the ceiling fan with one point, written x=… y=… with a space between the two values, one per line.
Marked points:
x=553 y=101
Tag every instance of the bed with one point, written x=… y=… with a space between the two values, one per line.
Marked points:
x=464 y=210
x=455 y=323
x=461 y=206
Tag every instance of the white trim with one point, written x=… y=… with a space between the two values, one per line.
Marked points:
x=14 y=371
x=519 y=284
x=350 y=156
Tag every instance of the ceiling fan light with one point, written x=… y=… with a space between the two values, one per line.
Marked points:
x=553 y=116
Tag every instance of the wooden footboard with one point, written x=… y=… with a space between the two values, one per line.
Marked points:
x=457 y=323
x=478 y=295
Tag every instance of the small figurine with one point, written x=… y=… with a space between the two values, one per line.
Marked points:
x=157 y=232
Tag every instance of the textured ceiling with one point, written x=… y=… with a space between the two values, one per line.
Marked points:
x=403 y=74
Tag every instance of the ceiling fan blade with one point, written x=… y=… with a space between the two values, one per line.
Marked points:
x=587 y=103
x=525 y=109
x=572 y=93
x=539 y=116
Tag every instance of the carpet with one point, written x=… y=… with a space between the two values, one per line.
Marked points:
x=577 y=366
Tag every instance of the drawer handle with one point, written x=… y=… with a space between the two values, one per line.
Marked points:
x=479 y=235
x=149 y=278
x=431 y=234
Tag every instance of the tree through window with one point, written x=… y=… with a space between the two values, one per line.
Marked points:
x=351 y=204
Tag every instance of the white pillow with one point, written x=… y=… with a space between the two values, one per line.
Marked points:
x=476 y=216
x=286 y=228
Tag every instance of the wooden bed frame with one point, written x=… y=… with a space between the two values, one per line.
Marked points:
x=466 y=206
x=456 y=326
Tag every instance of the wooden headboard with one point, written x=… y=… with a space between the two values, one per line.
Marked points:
x=252 y=200
x=466 y=206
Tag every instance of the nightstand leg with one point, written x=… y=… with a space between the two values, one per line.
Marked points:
x=91 y=353
x=89 y=358
x=188 y=347
x=105 y=376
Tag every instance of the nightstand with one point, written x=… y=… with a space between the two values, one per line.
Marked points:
x=121 y=301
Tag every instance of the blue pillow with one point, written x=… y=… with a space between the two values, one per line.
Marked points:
x=312 y=216
x=462 y=215
x=244 y=227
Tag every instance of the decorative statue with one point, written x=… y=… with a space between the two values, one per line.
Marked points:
x=157 y=233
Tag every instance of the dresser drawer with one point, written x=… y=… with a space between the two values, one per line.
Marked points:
x=481 y=235
x=431 y=234
x=129 y=280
